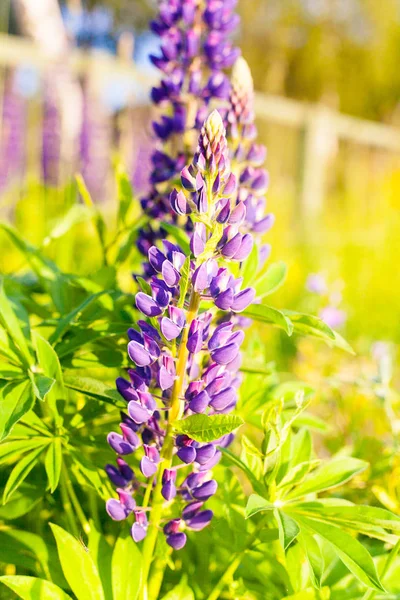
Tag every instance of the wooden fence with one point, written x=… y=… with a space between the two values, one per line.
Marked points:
x=321 y=128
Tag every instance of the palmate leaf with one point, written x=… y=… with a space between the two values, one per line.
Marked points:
x=314 y=556
x=13 y=449
x=369 y=520
x=21 y=471
x=78 y=566
x=350 y=551
x=288 y=528
x=16 y=399
x=256 y=504
x=329 y=475
x=33 y=588
x=204 y=428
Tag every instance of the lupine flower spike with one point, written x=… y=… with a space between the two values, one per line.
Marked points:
x=195 y=53
x=184 y=360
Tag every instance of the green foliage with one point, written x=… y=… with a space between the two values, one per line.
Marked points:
x=316 y=527
x=203 y=428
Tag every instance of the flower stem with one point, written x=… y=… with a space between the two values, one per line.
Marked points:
x=235 y=562
x=68 y=510
x=75 y=502
x=175 y=413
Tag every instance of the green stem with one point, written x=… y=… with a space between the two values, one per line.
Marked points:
x=75 y=502
x=68 y=510
x=370 y=593
x=175 y=413
x=234 y=564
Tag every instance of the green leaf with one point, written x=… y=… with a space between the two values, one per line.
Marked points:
x=21 y=471
x=11 y=450
x=77 y=213
x=203 y=428
x=288 y=528
x=53 y=463
x=30 y=551
x=302 y=447
x=41 y=385
x=297 y=473
x=124 y=192
x=33 y=588
x=126 y=568
x=184 y=282
x=23 y=501
x=49 y=362
x=94 y=389
x=87 y=471
x=83 y=190
x=313 y=326
x=65 y=322
x=78 y=566
x=257 y=504
x=179 y=235
x=12 y=325
x=329 y=475
x=250 y=267
x=15 y=401
x=353 y=554
x=43 y=267
x=314 y=557
x=126 y=247
x=8 y=371
x=345 y=514
x=101 y=553
x=144 y=285
x=257 y=486
x=271 y=280
x=269 y=315
x=180 y=592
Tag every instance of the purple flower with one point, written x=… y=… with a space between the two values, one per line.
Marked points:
x=122 y=508
x=148 y=464
x=139 y=528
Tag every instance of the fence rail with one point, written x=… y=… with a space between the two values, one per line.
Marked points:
x=320 y=126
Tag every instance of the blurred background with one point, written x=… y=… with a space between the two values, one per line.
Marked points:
x=328 y=88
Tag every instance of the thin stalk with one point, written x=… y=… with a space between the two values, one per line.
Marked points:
x=94 y=509
x=68 y=510
x=75 y=502
x=234 y=564
x=175 y=413
x=370 y=593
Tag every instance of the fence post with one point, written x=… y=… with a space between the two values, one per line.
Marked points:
x=319 y=146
